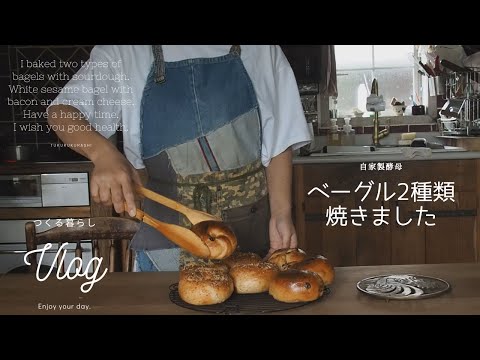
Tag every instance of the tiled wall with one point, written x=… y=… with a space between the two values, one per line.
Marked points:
x=405 y=128
x=11 y=116
x=398 y=124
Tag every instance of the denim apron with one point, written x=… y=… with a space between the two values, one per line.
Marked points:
x=201 y=145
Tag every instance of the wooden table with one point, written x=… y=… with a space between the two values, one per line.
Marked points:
x=148 y=293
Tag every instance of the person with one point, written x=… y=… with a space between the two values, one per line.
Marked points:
x=214 y=126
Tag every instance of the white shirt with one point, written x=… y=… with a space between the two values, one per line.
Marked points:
x=112 y=66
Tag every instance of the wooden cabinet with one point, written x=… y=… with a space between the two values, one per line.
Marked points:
x=471 y=143
x=358 y=241
x=452 y=238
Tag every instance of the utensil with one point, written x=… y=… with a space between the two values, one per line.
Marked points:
x=181 y=236
x=427 y=69
x=436 y=68
x=194 y=216
x=453 y=67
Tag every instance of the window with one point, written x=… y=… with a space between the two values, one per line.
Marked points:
x=392 y=65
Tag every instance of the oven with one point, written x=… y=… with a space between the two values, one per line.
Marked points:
x=44 y=190
x=20 y=191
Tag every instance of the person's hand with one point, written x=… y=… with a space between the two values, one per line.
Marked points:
x=113 y=181
x=282 y=232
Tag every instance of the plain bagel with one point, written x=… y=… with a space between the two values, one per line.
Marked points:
x=293 y=286
x=253 y=278
x=242 y=258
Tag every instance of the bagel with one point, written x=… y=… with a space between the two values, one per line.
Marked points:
x=319 y=265
x=217 y=236
x=200 y=265
x=283 y=258
x=253 y=278
x=204 y=285
x=292 y=286
x=242 y=258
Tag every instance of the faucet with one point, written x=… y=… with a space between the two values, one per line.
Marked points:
x=377 y=135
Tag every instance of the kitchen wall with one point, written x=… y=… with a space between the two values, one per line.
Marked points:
x=21 y=109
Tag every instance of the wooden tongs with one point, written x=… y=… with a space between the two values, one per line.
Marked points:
x=183 y=237
x=194 y=216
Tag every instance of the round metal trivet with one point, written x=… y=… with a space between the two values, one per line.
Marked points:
x=239 y=304
x=403 y=287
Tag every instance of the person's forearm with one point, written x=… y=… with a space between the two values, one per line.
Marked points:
x=64 y=119
x=113 y=178
x=279 y=180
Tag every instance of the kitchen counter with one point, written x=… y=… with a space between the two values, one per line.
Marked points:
x=148 y=293
x=35 y=167
x=383 y=157
x=471 y=143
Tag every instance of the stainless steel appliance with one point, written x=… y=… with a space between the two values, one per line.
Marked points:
x=70 y=189
x=44 y=190
x=20 y=191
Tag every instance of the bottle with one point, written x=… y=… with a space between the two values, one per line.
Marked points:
x=348 y=136
x=334 y=134
x=334 y=107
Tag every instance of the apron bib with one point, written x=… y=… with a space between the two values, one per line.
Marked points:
x=201 y=144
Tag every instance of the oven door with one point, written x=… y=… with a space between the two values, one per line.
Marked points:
x=69 y=189
x=13 y=248
x=20 y=191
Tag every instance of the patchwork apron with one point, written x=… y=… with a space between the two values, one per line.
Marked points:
x=201 y=143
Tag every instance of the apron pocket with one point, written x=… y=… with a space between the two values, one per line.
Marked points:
x=250 y=224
